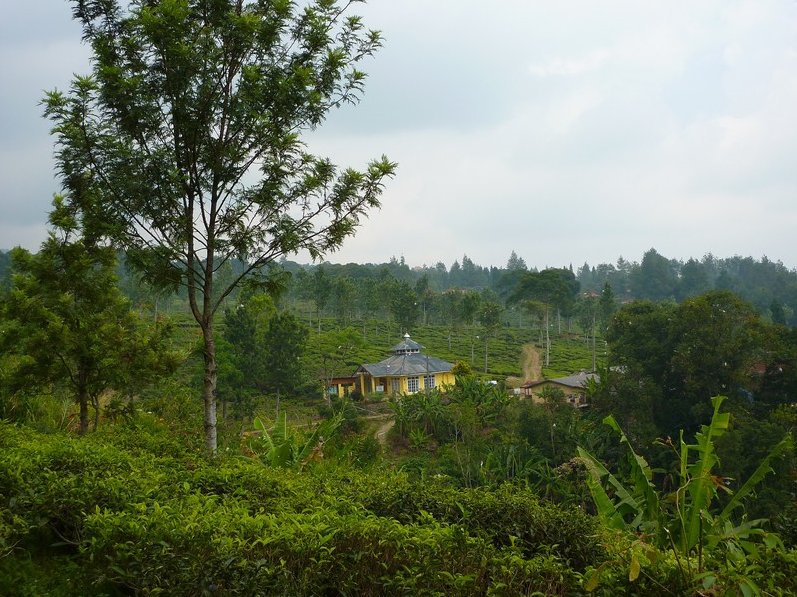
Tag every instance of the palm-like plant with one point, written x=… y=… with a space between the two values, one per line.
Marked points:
x=285 y=447
x=692 y=522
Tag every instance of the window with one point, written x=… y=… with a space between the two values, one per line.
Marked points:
x=413 y=384
x=395 y=385
x=428 y=382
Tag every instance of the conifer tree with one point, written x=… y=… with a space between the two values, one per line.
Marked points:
x=69 y=322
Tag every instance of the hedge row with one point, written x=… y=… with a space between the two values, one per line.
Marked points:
x=195 y=545
x=125 y=514
x=130 y=512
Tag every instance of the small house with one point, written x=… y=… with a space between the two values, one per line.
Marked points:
x=406 y=371
x=574 y=387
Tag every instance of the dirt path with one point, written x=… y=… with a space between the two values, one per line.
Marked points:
x=532 y=366
x=381 y=433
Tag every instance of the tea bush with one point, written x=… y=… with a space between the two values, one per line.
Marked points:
x=195 y=545
x=124 y=519
x=130 y=512
x=507 y=515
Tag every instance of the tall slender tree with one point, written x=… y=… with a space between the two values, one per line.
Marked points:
x=490 y=316
x=185 y=141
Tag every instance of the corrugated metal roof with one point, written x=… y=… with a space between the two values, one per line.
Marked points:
x=577 y=380
x=406 y=345
x=407 y=364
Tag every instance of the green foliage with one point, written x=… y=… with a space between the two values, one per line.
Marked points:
x=606 y=306
x=422 y=412
x=285 y=447
x=654 y=278
x=553 y=427
x=554 y=288
x=68 y=324
x=129 y=520
x=178 y=548
x=689 y=519
x=620 y=507
x=129 y=510
x=184 y=146
x=507 y=515
x=339 y=349
x=285 y=340
x=43 y=411
x=683 y=354
x=404 y=305
x=242 y=336
x=453 y=415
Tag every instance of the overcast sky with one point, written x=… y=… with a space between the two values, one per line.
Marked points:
x=568 y=132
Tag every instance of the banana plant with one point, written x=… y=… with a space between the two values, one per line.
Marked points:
x=691 y=522
x=634 y=506
x=285 y=447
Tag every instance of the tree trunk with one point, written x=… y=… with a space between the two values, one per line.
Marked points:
x=594 y=359
x=95 y=402
x=83 y=402
x=547 y=338
x=209 y=386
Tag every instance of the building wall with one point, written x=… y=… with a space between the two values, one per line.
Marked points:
x=575 y=396
x=340 y=389
x=441 y=379
x=445 y=379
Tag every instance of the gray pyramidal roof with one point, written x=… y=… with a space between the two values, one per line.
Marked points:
x=406 y=360
x=407 y=345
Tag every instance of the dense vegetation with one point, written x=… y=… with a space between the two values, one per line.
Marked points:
x=464 y=490
x=133 y=507
x=163 y=291
x=355 y=290
x=132 y=510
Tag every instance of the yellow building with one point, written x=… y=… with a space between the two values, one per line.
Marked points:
x=406 y=371
x=340 y=386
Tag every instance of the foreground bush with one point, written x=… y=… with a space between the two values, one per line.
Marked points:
x=508 y=515
x=129 y=512
x=195 y=545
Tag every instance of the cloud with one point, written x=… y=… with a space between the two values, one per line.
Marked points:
x=568 y=133
x=561 y=67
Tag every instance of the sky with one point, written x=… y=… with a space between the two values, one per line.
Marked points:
x=567 y=132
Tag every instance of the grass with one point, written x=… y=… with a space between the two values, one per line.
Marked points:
x=569 y=352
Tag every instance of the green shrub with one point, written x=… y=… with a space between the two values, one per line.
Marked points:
x=134 y=521
x=508 y=515
x=195 y=545
x=130 y=513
